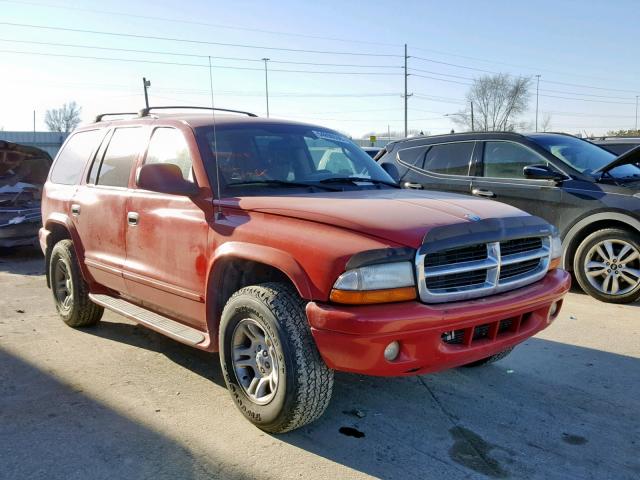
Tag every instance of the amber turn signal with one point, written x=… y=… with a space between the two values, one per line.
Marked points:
x=555 y=263
x=356 y=297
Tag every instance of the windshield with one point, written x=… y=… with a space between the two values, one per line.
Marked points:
x=582 y=155
x=288 y=157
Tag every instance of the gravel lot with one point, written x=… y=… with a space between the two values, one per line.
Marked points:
x=119 y=401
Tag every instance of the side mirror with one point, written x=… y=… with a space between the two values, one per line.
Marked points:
x=165 y=178
x=392 y=170
x=542 y=172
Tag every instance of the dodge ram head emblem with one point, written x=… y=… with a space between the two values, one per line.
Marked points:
x=472 y=217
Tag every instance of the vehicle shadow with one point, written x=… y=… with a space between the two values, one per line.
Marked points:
x=205 y=364
x=549 y=410
x=22 y=261
x=55 y=431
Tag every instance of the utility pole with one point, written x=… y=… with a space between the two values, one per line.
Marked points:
x=637 y=112
x=537 y=95
x=473 y=126
x=266 y=83
x=406 y=96
x=146 y=84
x=34 y=126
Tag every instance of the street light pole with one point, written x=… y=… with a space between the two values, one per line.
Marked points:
x=146 y=84
x=537 y=96
x=406 y=94
x=266 y=83
x=637 y=112
x=473 y=126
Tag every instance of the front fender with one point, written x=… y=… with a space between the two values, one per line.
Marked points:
x=273 y=257
x=52 y=225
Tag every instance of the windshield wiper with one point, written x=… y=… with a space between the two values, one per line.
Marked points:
x=357 y=180
x=279 y=183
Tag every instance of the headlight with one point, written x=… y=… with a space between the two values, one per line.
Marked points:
x=556 y=252
x=386 y=282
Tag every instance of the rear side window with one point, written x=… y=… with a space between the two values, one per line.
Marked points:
x=70 y=163
x=449 y=158
x=121 y=153
x=167 y=145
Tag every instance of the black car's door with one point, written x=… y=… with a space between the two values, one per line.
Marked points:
x=441 y=166
x=499 y=175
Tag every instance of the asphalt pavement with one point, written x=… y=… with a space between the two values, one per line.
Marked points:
x=120 y=401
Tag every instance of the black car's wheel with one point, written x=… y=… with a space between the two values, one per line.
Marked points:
x=270 y=362
x=607 y=265
x=491 y=359
x=70 y=292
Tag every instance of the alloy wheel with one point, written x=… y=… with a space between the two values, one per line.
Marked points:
x=613 y=267
x=63 y=285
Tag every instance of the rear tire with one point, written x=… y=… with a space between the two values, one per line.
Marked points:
x=492 y=359
x=290 y=386
x=70 y=291
x=613 y=253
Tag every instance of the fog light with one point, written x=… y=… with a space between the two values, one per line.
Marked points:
x=392 y=351
x=554 y=309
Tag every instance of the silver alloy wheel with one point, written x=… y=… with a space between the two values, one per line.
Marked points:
x=613 y=267
x=255 y=361
x=63 y=285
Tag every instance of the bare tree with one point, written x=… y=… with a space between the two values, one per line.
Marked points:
x=497 y=101
x=63 y=119
x=545 y=126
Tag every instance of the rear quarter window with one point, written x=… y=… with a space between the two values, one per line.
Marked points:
x=449 y=158
x=71 y=161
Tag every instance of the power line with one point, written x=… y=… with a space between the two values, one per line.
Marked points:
x=194 y=22
x=197 y=42
x=160 y=52
x=226 y=67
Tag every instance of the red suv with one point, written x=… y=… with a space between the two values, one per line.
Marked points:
x=286 y=248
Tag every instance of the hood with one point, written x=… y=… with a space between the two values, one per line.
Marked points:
x=399 y=216
x=628 y=158
x=23 y=172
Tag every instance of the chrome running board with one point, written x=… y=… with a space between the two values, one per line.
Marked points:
x=157 y=322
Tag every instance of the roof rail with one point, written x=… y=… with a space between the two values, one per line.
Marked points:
x=102 y=115
x=145 y=111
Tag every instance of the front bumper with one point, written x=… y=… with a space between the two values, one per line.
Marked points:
x=353 y=339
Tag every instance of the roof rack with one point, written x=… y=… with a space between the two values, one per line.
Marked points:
x=102 y=115
x=145 y=111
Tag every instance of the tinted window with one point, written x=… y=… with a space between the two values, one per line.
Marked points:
x=118 y=159
x=582 y=155
x=71 y=161
x=167 y=145
x=449 y=158
x=413 y=156
x=508 y=159
x=618 y=148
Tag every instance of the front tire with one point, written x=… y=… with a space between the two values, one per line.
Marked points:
x=607 y=265
x=70 y=291
x=269 y=359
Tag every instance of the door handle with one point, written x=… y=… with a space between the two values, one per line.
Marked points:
x=132 y=218
x=75 y=209
x=481 y=192
x=414 y=186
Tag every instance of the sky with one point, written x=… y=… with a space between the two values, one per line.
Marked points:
x=584 y=51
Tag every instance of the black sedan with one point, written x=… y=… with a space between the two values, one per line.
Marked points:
x=589 y=193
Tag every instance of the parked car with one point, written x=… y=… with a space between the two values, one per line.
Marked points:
x=372 y=151
x=23 y=171
x=617 y=145
x=291 y=252
x=591 y=195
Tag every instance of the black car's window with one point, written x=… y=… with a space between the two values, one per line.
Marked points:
x=449 y=158
x=266 y=154
x=618 y=148
x=71 y=161
x=508 y=159
x=121 y=153
x=413 y=156
x=167 y=145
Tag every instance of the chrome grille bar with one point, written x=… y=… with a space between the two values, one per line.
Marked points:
x=453 y=274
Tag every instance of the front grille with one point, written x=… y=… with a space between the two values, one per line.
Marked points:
x=476 y=270
x=457 y=255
